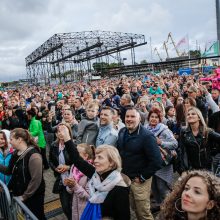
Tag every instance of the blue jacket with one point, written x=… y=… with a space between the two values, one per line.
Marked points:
x=139 y=152
x=4 y=160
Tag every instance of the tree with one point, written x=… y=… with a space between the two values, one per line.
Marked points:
x=195 y=53
x=143 y=62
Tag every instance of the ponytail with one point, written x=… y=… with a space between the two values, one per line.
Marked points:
x=93 y=151
x=25 y=135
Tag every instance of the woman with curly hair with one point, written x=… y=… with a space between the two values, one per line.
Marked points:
x=195 y=197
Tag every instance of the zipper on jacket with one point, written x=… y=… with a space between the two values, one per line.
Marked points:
x=199 y=151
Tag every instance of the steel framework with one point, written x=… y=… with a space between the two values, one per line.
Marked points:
x=73 y=53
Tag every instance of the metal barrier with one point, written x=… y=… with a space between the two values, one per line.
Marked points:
x=20 y=210
x=216 y=165
x=5 y=203
x=13 y=209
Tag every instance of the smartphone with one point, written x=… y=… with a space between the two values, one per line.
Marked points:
x=53 y=109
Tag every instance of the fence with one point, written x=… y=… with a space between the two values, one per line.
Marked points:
x=13 y=209
x=216 y=165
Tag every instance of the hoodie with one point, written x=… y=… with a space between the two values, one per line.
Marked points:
x=5 y=157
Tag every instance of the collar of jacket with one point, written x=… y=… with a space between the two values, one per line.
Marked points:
x=136 y=131
x=105 y=127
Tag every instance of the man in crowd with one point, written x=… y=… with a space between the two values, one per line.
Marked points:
x=216 y=96
x=125 y=103
x=140 y=160
x=107 y=134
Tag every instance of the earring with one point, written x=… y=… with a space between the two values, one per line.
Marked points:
x=176 y=207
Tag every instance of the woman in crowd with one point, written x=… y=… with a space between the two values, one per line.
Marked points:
x=60 y=162
x=159 y=105
x=68 y=118
x=77 y=182
x=107 y=187
x=189 y=102
x=171 y=117
x=26 y=170
x=162 y=180
x=5 y=153
x=196 y=142
x=10 y=120
x=37 y=132
x=195 y=197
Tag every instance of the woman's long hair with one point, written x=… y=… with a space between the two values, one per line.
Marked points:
x=202 y=125
x=6 y=141
x=169 y=206
x=25 y=136
x=69 y=129
x=180 y=114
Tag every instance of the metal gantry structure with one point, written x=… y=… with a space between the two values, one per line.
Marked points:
x=74 y=53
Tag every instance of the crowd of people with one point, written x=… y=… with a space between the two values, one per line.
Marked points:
x=148 y=143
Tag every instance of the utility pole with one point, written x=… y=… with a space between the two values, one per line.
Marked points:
x=217 y=3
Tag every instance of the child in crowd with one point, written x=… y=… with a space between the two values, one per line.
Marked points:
x=89 y=125
x=77 y=182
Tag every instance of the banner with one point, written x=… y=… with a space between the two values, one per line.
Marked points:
x=213 y=50
x=207 y=69
x=184 y=71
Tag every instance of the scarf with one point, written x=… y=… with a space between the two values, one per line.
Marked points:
x=99 y=190
x=156 y=129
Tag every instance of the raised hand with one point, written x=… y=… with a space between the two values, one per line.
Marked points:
x=64 y=132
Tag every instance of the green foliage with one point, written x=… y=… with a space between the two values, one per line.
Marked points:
x=143 y=62
x=195 y=53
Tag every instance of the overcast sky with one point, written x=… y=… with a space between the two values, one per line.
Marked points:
x=26 y=24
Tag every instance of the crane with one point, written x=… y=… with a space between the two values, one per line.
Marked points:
x=172 y=41
x=156 y=50
x=166 y=49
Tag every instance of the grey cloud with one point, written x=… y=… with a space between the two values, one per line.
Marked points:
x=25 y=25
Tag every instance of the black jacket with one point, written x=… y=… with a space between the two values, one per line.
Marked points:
x=196 y=152
x=78 y=113
x=201 y=105
x=10 y=123
x=54 y=157
x=116 y=204
x=22 y=117
x=214 y=121
x=139 y=152
x=21 y=177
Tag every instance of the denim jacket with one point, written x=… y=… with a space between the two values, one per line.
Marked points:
x=107 y=135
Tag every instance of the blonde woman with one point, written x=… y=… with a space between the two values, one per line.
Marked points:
x=196 y=142
x=107 y=188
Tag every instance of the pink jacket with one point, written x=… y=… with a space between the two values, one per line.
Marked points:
x=80 y=196
x=214 y=79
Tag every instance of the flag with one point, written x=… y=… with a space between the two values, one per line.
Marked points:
x=213 y=50
x=182 y=42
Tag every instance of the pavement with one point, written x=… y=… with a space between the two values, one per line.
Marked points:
x=49 y=196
